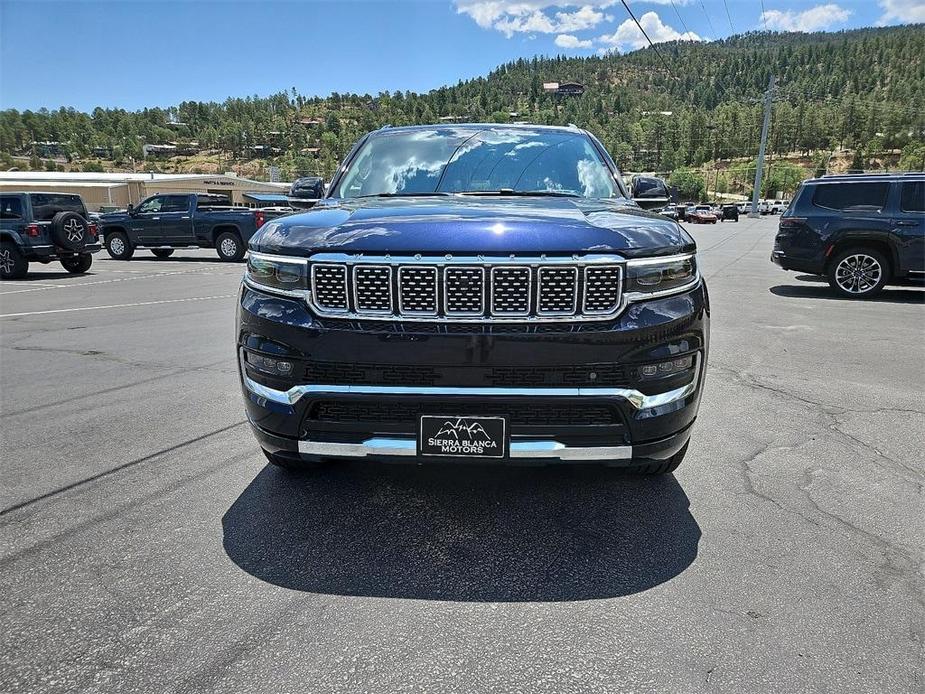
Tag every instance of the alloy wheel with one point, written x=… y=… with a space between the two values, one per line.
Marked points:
x=229 y=247
x=858 y=273
x=117 y=246
x=6 y=261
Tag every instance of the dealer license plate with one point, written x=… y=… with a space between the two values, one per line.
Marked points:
x=463 y=437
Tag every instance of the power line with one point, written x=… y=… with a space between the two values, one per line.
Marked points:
x=657 y=52
x=709 y=22
x=680 y=19
x=729 y=16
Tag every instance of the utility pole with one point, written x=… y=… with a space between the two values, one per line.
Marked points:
x=759 y=170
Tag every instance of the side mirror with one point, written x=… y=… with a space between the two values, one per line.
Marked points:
x=130 y=209
x=650 y=192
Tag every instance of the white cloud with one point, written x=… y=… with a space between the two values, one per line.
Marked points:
x=813 y=19
x=628 y=36
x=903 y=11
x=585 y=18
x=569 y=41
x=535 y=16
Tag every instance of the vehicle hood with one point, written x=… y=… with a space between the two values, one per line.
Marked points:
x=113 y=216
x=466 y=225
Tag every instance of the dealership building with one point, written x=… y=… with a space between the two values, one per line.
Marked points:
x=116 y=190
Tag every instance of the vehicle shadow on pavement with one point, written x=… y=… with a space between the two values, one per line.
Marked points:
x=462 y=534
x=888 y=295
x=178 y=259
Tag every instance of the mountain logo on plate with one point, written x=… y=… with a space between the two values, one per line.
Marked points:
x=463 y=436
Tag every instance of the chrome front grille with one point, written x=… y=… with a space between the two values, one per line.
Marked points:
x=467 y=289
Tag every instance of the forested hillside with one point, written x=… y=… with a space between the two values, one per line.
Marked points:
x=863 y=90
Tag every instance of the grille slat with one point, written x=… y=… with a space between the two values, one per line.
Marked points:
x=519 y=290
x=557 y=291
x=603 y=286
x=417 y=290
x=602 y=374
x=372 y=288
x=329 y=287
x=541 y=414
x=464 y=291
x=510 y=291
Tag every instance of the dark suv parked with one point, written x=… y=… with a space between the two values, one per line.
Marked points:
x=485 y=292
x=861 y=231
x=42 y=227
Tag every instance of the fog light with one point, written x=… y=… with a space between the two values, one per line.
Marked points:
x=269 y=365
x=667 y=368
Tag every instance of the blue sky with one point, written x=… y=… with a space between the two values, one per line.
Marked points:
x=132 y=54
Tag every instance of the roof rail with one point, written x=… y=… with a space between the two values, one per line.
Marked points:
x=873 y=174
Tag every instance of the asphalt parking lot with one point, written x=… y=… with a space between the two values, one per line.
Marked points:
x=147 y=547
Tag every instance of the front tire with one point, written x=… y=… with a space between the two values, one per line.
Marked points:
x=118 y=246
x=12 y=265
x=77 y=265
x=229 y=247
x=162 y=252
x=662 y=467
x=858 y=273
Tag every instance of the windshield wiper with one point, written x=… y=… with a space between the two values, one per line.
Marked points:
x=523 y=193
x=404 y=195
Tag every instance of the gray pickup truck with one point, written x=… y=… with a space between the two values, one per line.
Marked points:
x=169 y=221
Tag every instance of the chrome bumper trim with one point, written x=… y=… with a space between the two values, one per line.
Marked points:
x=519 y=449
x=638 y=400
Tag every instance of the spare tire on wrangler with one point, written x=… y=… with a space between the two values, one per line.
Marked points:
x=69 y=230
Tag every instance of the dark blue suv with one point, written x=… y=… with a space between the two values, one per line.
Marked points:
x=861 y=231
x=474 y=292
x=42 y=227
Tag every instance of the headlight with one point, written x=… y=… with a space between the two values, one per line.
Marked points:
x=660 y=276
x=277 y=273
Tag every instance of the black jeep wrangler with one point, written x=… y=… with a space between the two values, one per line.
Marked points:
x=43 y=227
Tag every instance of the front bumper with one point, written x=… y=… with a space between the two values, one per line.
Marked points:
x=644 y=423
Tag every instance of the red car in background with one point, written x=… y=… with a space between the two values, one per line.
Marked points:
x=702 y=214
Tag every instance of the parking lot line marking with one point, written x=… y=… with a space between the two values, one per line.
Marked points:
x=33 y=286
x=98 y=308
x=66 y=285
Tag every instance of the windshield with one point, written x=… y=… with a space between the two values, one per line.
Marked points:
x=468 y=160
